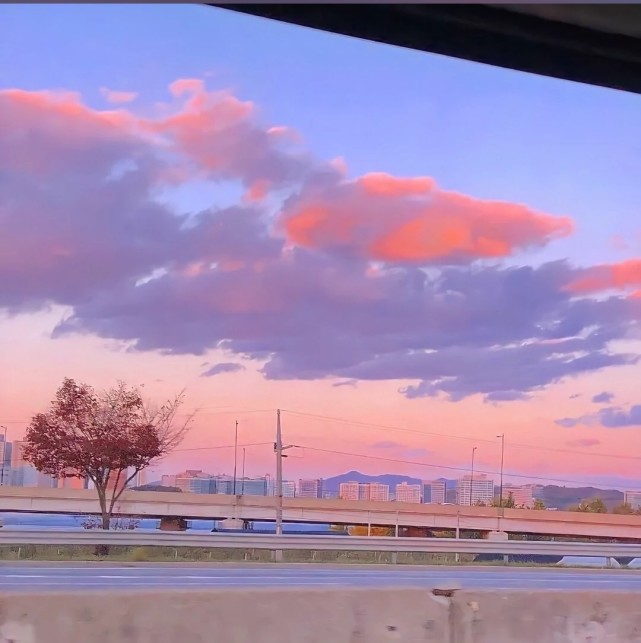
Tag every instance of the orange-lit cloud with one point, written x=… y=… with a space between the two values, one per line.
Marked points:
x=118 y=97
x=386 y=218
x=616 y=276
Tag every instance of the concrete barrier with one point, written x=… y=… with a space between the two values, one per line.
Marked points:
x=545 y=617
x=331 y=615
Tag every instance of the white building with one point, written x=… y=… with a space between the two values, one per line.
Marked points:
x=480 y=490
x=378 y=492
x=349 y=491
x=310 y=488
x=408 y=493
x=632 y=498
x=374 y=491
x=434 y=492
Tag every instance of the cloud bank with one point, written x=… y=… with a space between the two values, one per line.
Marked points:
x=312 y=275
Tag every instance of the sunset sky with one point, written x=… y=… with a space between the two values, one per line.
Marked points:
x=408 y=254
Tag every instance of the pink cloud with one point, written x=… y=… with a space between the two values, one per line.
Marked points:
x=118 y=97
x=410 y=220
x=616 y=276
x=83 y=227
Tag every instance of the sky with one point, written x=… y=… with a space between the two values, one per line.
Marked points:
x=408 y=254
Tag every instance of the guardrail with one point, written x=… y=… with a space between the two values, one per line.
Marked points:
x=138 y=538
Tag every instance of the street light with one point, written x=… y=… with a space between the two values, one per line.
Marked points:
x=242 y=484
x=472 y=474
x=502 y=437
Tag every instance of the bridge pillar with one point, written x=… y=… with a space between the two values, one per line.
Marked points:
x=232 y=523
x=173 y=523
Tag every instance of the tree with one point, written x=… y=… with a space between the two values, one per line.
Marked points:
x=507 y=503
x=108 y=437
x=538 y=504
x=624 y=508
x=594 y=506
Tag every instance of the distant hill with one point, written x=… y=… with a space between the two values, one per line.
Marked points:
x=566 y=497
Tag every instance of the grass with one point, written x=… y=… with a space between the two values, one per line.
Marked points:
x=153 y=554
x=198 y=554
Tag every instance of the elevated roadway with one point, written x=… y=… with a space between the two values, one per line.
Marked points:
x=149 y=504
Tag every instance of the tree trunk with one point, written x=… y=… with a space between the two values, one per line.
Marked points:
x=103 y=550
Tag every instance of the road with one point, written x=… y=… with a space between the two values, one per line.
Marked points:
x=78 y=576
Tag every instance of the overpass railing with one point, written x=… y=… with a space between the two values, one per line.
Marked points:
x=140 y=538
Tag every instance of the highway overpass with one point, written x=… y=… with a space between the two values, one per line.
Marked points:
x=150 y=504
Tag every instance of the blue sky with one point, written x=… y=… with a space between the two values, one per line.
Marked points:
x=561 y=148
x=558 y=146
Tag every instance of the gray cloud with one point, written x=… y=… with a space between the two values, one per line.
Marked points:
x=505 y=396
x=583 y=442
x=614 y=418
x=223 y=367
x=603 y=398
x=568 y=423
x=610 y=418
x=387 y=444
x=352 y=383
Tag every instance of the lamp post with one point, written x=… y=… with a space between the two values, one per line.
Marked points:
x=472 y=474
x=242 y=484
x=502 y=437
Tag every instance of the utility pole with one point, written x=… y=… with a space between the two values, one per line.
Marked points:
x=235 y=456
x=502 y=436
x=278 y=450
x=242 y=484
x=472 y=475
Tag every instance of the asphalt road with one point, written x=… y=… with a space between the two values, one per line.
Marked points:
x=81 y=577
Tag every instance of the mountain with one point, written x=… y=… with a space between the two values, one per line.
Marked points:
x=567 y=497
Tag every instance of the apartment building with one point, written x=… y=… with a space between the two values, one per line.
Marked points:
x=405 y=492
x=472 y=492
x=310 y=488
x=434 y=492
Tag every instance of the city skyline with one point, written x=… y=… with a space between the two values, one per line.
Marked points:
x=409 y=254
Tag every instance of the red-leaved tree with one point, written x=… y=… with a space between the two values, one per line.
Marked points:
x=106 y=437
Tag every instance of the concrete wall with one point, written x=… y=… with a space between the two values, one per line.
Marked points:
x=320 y=616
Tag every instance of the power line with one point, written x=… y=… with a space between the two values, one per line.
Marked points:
x=444 y=467
x=461 y=437
x=225 y=446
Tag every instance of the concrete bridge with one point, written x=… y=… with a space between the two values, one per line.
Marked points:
x=409 y=517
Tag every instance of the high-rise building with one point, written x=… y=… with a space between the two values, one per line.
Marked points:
x=434 y=492
x=191 y=481
x=632 y=498
x=349 y=491
x=5 y=461
x=251 y=486
x=480 y=490
x=374 y=491
x=405 y=492
x=71 y=483
x=289 y=489
x=24 y=474
x=378 y=492
x=310 y=488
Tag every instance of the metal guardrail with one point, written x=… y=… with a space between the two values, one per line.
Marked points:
x=138 y=538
